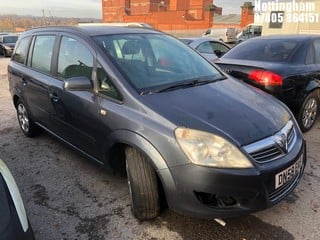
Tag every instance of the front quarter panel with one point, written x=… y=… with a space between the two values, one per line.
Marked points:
x=141 y=143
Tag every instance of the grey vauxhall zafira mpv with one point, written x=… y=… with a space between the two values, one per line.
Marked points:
x=142 y=101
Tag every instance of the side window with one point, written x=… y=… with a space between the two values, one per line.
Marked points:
x=75 y=59
x=42 y=53
x=218 y=46
x=205 y=48
x=317 y=51
x=106 y=87
x=21 y=52
x=310 y=55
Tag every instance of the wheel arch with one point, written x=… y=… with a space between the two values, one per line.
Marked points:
x=125 y=138
x=16 y=98
x=115 y=157
x=313 y=86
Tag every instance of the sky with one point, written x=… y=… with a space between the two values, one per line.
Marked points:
x=231 y=6
x=84 y=8
x=56 y=8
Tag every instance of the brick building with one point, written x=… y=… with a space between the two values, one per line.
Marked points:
x=167 y=15
x=247 y=14
x=161 y=14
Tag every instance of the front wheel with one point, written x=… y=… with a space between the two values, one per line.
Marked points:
x=143 y=185
x=308 y=112
x=28 y=127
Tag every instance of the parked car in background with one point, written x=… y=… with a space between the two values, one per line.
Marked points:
x=14 y=224
x=287 y=67
x=249 y=31
x=143 y=101
x=227 y=35
x=7 y=44
x=210 y=48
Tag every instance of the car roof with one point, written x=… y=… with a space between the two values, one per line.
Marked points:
x=200 y=39
x=285 y=37
x=118 y=24
x=93 y=30
x=10 y=35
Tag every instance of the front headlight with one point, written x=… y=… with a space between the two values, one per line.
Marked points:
x=7 y=47
x=210 y=150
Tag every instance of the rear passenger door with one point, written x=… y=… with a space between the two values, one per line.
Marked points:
x=35 y=79
x=74 y=115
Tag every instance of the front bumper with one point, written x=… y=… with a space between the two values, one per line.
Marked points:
x=210 y=192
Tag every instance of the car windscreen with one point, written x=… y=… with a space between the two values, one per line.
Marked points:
x=267 y=50
x=10 y=39
x=153 y=61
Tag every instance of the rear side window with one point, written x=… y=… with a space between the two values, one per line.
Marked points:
x=205 y=48
x=271 y=50
x=75 y=59
x=42 y=53
x=21 y=52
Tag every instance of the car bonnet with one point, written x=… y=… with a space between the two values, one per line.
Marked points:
x=227 y=107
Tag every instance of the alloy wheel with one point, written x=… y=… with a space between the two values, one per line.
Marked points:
x=310 y=112
x=23 y=118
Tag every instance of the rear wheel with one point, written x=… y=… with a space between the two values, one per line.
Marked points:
x=28 y=127
x=308 y=112
x=143 y=185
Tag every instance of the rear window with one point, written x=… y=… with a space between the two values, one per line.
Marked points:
x=10 y=39
x=271 y=50
x=42 y=53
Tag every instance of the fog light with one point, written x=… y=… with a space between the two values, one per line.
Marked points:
x=216 y=201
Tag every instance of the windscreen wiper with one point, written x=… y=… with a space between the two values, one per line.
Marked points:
x=192 y=83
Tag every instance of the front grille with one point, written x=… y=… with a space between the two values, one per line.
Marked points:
x=266 y=154
x=273 y=147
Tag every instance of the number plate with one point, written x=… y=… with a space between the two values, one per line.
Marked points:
x=286 y=175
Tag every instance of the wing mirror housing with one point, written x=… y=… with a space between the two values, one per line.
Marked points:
x=218 y=53
x=78 y=84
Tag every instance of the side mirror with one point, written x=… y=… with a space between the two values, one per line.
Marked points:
x=77 y=84
x=218 y=53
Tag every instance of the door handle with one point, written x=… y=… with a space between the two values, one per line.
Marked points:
x=54 y=97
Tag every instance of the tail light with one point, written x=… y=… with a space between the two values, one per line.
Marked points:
x=266 y=78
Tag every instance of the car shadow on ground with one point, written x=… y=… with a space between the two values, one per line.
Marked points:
x=242 y=228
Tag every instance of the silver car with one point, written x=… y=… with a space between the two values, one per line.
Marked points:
x=210 y=48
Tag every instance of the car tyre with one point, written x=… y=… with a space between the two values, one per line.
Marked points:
x=5 y=53
x=28 y=127
x=143 y=185
x=308 y=112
